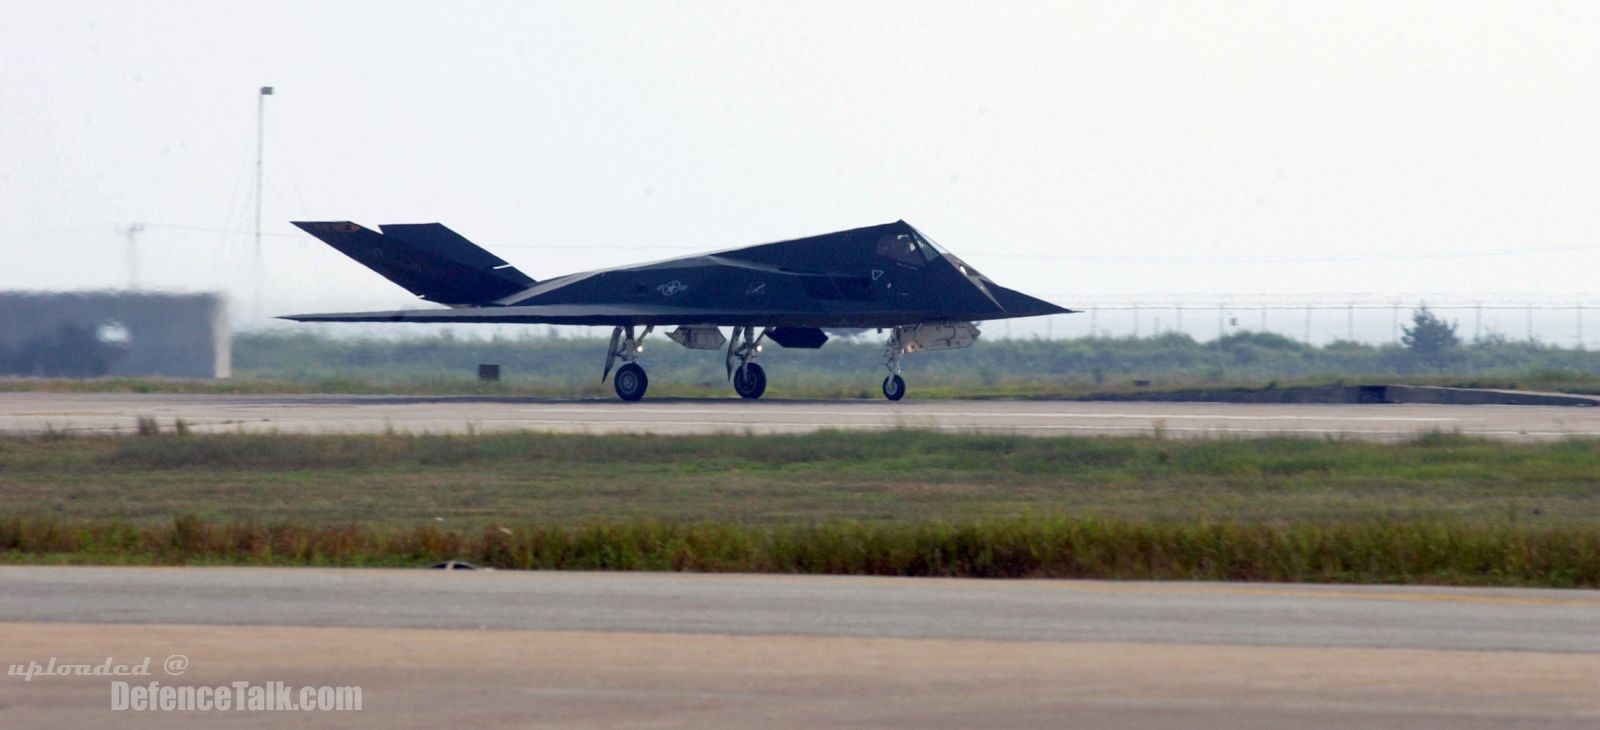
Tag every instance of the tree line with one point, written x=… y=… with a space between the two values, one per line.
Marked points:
x=1429 y=349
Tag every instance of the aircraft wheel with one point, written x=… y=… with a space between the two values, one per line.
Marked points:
x=894 y=387
x=750 y=381
x=630 y=382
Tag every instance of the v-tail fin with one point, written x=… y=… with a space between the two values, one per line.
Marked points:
x=427 y=259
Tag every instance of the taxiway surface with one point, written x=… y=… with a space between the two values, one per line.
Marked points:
x=668 y=650
x=110 y=413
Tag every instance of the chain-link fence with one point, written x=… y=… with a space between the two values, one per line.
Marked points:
x=1567 y=321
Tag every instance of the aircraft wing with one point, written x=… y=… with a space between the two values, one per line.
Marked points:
x=606 y=315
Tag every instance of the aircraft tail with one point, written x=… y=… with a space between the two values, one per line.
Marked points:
x=427 y=259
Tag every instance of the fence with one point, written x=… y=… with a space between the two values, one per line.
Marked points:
x=1548 y=320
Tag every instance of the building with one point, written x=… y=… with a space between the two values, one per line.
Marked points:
x=114 y=333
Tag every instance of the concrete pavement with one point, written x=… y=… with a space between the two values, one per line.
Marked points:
x=118 y=413
x=667 y=650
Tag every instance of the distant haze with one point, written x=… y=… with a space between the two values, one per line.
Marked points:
x=1075 y=151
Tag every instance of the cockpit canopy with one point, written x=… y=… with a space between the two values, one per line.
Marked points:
x=916 y=250
x=911 y=249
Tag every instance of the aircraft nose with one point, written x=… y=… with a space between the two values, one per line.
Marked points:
x=1017 y=304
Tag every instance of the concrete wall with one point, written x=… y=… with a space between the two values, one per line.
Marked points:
x=87 y=334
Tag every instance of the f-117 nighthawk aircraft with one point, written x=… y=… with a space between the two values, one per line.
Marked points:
x=887 y=276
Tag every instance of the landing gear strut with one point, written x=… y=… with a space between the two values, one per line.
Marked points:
x=749 y=380
x=894 y=386
x=631 y=380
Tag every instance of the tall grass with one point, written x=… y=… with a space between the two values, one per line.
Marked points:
x=1441 y=552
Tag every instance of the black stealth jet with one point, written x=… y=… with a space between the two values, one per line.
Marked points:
x=888 y=277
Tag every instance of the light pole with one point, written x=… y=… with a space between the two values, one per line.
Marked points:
x=261 y=136
x=132 y=232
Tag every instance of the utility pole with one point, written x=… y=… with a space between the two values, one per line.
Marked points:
x=261 y=137
x=132 y=232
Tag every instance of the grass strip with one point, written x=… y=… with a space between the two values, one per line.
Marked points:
x=401 y=480
x=1435 y=552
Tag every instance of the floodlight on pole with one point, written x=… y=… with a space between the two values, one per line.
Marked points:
x=132 y=233
x=261 y=134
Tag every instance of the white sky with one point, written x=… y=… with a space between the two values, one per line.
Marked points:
x=1076 y=151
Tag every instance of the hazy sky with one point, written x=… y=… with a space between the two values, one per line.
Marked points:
x=1077 y=151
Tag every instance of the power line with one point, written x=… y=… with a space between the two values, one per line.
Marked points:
x=218 y=229
x=214 y=229
x=1240 y=259
x=1290 y=307
x=210 y=229
x=1269 y=259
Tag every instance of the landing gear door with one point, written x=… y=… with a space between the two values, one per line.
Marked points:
x=940 y=336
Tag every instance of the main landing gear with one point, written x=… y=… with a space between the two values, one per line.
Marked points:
x=630 y=381
x=749 y=380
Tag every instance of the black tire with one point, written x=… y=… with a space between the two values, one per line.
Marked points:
x=750 y=381
x=894 y=387
x=630 y=382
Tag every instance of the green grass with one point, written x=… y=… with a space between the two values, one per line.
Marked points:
x=400 y=479
x=1038 y=547
x=1442 y=508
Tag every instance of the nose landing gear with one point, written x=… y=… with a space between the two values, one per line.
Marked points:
x=894 y=387
x=921 y=337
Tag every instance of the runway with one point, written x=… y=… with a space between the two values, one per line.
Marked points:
x=118 y=413
x=672 y=650
x=650 y=650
